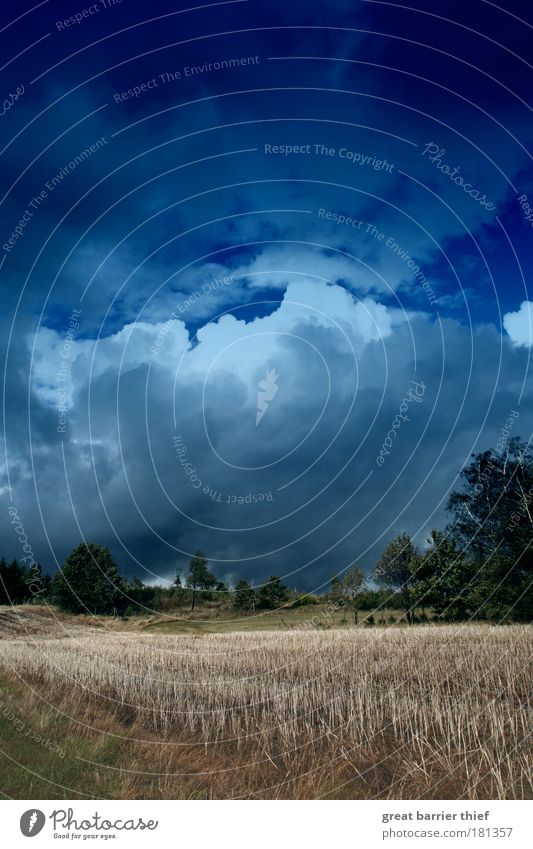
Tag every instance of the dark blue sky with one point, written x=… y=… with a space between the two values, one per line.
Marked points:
x=310 y=206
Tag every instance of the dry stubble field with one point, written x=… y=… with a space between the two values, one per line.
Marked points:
x=422 y=712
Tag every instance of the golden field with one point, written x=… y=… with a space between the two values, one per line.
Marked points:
x=399 y=712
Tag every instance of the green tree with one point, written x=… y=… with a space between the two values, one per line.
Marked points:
x=221 y=587
x=374 y=599
x=492 y=520
x=137 y=596
x=352 y=586
x=88 y=581
x=503 y=591
x=178 y=592
x=493 y=510
x=244 y=597
x=199 y=577
x=37 y=583
x=396 y=570
x=445 y=578
x=273 y=593
x=4 y=597
x=13 y=588
x=335 y=594
x=19 y=584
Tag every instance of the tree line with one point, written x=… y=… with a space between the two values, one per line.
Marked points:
x=479 y=567
x=19 y=584
x=90 y=582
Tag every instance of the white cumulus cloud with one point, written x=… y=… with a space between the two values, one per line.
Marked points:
x=519 y=325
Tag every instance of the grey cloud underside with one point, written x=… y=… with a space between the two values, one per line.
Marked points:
x=343 y=506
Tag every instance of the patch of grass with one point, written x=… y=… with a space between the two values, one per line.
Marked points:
x=30 y=620
x=45 y=755
x=312 y=617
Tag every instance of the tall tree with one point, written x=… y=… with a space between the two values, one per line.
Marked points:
x=335 y=593
x=493 y=512
x=396 y=570
x=492 y=519
x=137 y=596
x=88 y=581
x=352 y=586
x=445 y=578
x=244 y=598
x=503 y=590
x=199 y=577
x=11 y=583
x=13 y=587
x=273 y=593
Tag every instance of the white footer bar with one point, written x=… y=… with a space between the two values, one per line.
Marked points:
x=268 y=824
